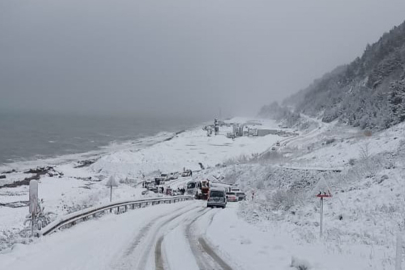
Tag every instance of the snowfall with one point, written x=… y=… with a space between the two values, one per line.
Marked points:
x=276 y=227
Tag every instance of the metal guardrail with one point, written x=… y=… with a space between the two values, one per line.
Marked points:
x=123 y=206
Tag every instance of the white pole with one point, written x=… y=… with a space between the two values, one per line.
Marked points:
x=32 y=224
x=321 y=223
x=398 y=259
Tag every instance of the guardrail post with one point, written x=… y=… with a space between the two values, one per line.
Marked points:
x=398 y=257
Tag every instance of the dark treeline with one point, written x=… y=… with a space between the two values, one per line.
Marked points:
x=367 y=93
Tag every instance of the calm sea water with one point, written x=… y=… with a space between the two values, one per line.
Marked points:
x=31 y=136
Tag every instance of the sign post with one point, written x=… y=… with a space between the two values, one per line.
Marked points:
x=398 y=257
x=321 y=196
x=33 y=209
x=111 y=183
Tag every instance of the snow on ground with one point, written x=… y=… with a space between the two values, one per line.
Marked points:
x=96 y=244
x=362 y=218
x=334 y=145
x=277 y=229
x=250 y=248
x=69 y=187
x=186 y=150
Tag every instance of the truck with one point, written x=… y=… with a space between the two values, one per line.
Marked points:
x=199 y=189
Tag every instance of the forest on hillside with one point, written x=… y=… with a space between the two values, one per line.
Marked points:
x=367 y=93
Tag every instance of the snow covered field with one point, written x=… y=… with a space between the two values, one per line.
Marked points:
x=277 y=229
x=69 y=186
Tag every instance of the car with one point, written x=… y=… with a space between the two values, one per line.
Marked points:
x=235 y=190
x=231 y=197
x=153 y=189
x=241 y=196
x=216 y=198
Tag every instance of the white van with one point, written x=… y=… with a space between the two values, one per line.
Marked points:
x=216 y=198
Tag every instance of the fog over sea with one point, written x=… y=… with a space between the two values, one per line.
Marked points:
x=27 y=136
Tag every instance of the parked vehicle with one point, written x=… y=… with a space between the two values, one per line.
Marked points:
x=153 y=189
x=169 y=191
x=187 y=173
x=191 y=188
x=170 y=176
x=205 y=187
x=159 y=181
x=216 y=198
x=241 y=196
x=235 y=190
x=231 y=197
x=199 y=189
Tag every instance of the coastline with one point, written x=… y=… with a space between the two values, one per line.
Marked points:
x=74 y=182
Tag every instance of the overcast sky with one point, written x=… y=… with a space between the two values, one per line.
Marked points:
x=177 y=57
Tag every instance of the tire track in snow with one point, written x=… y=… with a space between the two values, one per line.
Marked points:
x=159 y=262
x=158 y=255
x=132 y=255
x=207 y=248
x=142 y=264
x=145 y=230
x=205 y=256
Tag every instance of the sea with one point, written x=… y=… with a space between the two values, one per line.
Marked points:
x=33 y=136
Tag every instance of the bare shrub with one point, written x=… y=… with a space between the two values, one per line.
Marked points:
x=299 y=264
x=242 y=159
x=270 y=156
x=366 y=167
x=232 y=176
x=364 y=152
x=367 y=133
x=260 y=184
x=128 y=181
x=283 y=200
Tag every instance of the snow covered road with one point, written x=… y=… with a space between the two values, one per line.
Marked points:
x=181 y=236
x=161 y=237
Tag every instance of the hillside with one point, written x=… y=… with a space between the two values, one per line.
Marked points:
x=367 y=93
x=364 y=173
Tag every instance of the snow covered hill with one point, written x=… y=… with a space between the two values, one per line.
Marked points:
x=363 y=171
x=278 y=225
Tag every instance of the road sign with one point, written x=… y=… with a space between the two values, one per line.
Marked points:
x=111 y=183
